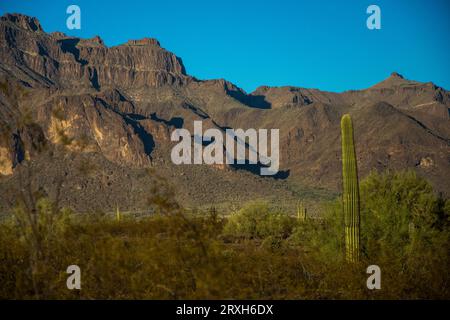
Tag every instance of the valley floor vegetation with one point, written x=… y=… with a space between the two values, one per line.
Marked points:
x=256 y=252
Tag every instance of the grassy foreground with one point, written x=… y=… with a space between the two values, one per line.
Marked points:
x=254 y=253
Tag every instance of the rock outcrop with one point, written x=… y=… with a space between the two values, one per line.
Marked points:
x=56 y=59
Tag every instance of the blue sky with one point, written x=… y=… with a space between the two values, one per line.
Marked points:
x=318 y=44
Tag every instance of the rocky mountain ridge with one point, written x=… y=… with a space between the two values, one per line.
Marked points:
x=119 y=105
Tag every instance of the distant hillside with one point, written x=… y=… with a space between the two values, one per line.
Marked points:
x=123 y=102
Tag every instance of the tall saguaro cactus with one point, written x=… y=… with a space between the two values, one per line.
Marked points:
x=350 y=195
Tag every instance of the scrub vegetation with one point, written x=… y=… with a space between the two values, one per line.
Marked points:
x=253 y=253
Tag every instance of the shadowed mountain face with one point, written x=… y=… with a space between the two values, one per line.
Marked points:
x=119 y=106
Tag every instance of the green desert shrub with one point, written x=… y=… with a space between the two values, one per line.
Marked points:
x=400 y=210
x=323 y=238
x=257 y=221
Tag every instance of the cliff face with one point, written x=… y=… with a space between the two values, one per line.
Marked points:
x=55 y=59
x=118 y=106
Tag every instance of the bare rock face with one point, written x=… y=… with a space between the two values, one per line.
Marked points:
x=72 y=62
x=23 y=22
x=135 y=64
x=95 y=127
x=118 y=106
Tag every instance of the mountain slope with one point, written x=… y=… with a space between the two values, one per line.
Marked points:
x=119 y=106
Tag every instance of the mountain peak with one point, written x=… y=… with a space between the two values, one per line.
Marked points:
x=394 y=80
x=23 y=21
x=396 y=75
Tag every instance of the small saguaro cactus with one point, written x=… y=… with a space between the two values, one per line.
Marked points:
x=118 y=215
x=301 y=211
x=350 y=195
